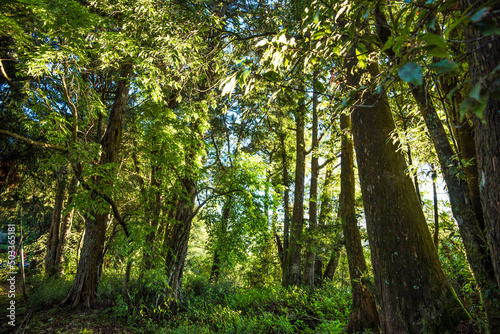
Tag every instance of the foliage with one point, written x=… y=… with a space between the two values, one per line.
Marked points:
x=214 y=89
x=225 y=308
x=48 y=293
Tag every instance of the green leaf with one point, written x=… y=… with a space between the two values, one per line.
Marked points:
x=245 y=75
x=411 y=73
x=475 y=92
x=488 y=27
x=316 y=17
x=318 y=85
x=435 y=45
x=480 y=14
x=272 y=76
x=444 y=66
x=476 y=101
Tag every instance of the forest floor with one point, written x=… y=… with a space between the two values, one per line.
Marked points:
x=55 y=319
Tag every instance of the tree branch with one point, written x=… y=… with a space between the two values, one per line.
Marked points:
x=4 y=73
x=33 y=142
x=210 y=198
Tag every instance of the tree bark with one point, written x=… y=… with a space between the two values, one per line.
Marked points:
x=363 y=310
x=331 y=266
x=484 y=52
x=310 y=255
x=293 y=277
x=286 y=201
x=412 y=289
x=178 y=241
x=324 y=214
x=53 y=239
x=436 y=212
x=461 y=204
x=462 y=207
x=65 y=230
x=84 y=288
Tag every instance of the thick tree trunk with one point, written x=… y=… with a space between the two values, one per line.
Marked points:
x=324 y=214
x=65 y=230
x=293 y=276
x=484 y=58
x=310 y=255
x=333 y=263
x=461 y=204
x=364 y=310
x=462 y=207
x=178 y=239
x=53 y=239
x=84 y=288
x=414 y=294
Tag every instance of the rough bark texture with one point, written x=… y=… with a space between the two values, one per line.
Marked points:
x=331 y=266
x=473 y=237
x=65 y=230
x=178 y=239
x=462 y=206
x=292 y=276
x=363 y=310
x=84 y=288
x=436 y=211
x=324 y=214
x=286 y=201
x=55 y=224
x=484 y=55
x=310 y=256
x=413 y=292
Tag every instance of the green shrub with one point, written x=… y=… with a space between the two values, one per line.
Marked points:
x=49 y=292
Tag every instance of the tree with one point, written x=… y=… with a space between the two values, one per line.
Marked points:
x=293 y=266
x=411 y=301
x=462 y=204
x=364 y=310
x=484 y=49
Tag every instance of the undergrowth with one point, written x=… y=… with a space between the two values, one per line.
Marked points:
x=225 y=308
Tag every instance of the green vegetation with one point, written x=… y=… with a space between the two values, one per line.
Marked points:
x=241 y=166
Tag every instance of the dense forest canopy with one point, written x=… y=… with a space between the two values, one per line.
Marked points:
x=253 y=166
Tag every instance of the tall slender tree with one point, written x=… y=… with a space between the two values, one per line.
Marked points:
x=364 y=310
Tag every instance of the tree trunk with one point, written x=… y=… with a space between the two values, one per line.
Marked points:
x=310 y=255
x=292 y=276
x=461 y=204
x=414 y=294
x=178 y=241
x=84 y=288
x=462 y=207
x=324 y=214
x=364 y=310
x=55 y=225
x=484 y=54
x=65 y=231
x=286 y=201
x=331 y=266
x=436 y=211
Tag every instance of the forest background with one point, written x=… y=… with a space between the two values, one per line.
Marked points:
x=252 y=166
